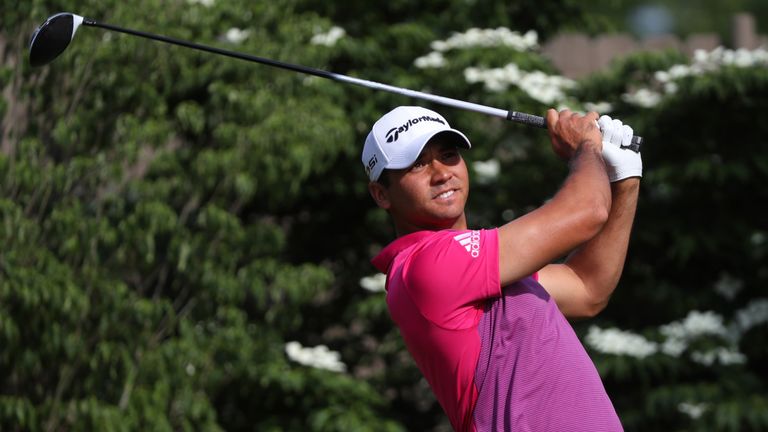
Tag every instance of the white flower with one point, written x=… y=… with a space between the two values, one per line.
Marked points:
x=743 y=58
x=643 y=97
x=487 y=171
x=375 y=283
x=754 y=314
x=670 y=88
x=538 y=85
x=692 y=410
x=712 y=61
x=700 y=55
x=329 y=38
x=439 y=46
x=674 y=347
x=531 y=39
x=318 y=357
x=679 y=334
x=434 y=59
x=722 y=355
x=694 y=325
x=190 y=369
x=679 y=71
x=601 y=107
x=545 y=88
x=472 y=75
x=236 y=36
x=728 y=286
x=662 y=76
x=620 y=342
x=475 y=37
x=206 y=3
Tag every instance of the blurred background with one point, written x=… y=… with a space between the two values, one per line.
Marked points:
x=186 y=238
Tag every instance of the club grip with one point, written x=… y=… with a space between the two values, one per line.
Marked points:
x=534 y=120
x=529 y=119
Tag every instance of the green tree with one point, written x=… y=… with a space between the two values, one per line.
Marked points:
x=147 y=198
x=698 y=255
x=183 y=234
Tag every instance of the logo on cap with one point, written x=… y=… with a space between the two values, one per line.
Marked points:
x=393 y=134
x=371 y=164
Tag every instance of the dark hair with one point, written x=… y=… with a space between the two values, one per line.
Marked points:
x=383 y=178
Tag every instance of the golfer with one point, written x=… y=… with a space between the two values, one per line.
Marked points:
x=483 y=311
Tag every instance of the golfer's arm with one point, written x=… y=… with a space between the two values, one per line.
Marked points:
x=574 y=215
x=583 y=284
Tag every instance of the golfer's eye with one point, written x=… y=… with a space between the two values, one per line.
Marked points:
x=450 y=156
x=418 y=165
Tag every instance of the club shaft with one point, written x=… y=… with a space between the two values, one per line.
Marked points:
x=310 y=71
x=529 y=119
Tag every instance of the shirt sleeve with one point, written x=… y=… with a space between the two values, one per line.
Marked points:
x=451 y=275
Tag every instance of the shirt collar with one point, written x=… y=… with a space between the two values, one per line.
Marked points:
x=384 y=259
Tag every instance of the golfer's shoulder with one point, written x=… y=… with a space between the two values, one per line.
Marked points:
x=437 y=247
x=449 y=256
x=424 y=252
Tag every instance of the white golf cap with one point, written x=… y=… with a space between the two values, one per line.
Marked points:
x=397 y=138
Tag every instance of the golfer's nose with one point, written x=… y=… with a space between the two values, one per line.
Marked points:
x=440 y=172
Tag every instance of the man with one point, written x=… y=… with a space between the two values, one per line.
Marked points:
x=483 y=312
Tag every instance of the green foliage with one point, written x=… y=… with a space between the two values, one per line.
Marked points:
x=170 y=220
x=699 y=225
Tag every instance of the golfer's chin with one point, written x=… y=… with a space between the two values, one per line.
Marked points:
x=446 y=212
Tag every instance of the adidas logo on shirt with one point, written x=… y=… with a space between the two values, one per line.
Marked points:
x=470 y=241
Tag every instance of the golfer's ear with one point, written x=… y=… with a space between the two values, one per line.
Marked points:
x=379 y=194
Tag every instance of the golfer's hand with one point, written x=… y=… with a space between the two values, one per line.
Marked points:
x=620 y=161
x=570 y=132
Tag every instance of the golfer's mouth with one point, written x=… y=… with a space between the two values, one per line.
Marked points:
x=445 y=194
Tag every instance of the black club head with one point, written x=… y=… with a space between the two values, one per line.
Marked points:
x=52 y=38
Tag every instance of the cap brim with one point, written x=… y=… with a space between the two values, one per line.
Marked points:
x=406 y=160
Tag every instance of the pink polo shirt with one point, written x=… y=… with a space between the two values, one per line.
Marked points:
x=496 y=359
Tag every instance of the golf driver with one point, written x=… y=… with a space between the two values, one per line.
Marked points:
x=55 y=34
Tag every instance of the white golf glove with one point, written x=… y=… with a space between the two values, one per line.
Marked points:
x=619 y=159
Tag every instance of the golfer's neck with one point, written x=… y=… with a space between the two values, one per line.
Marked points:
x=404 y=228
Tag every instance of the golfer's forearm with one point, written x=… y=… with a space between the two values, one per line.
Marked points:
x=586 y=189
x=572 y=217
x=600 y=261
